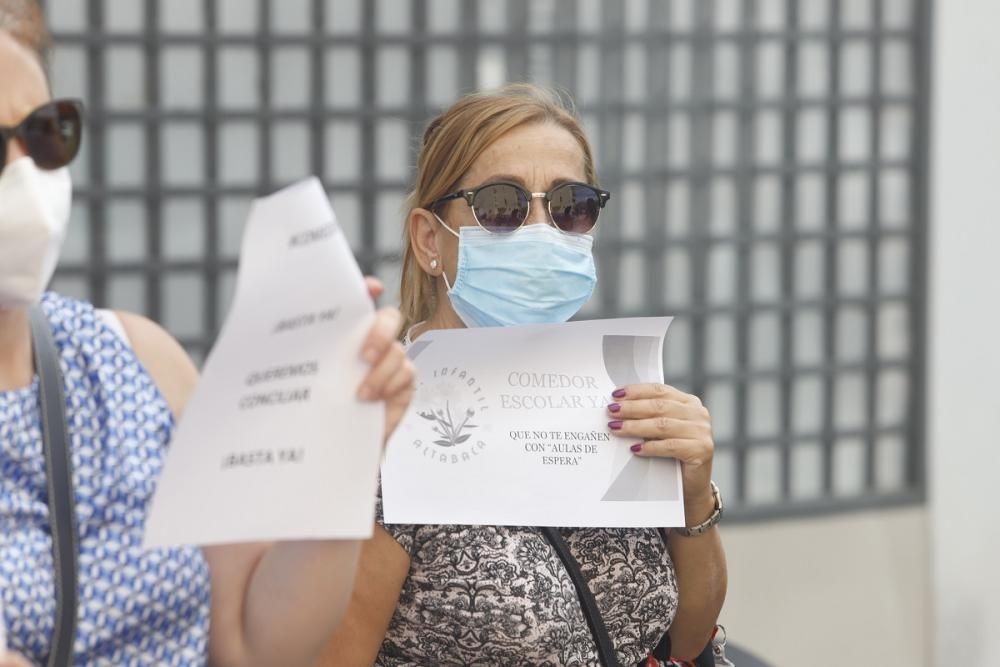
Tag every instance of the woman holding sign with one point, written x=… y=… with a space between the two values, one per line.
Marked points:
x=499 y=233
x=125 y=383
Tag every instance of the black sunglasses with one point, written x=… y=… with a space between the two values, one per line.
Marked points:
x=504 y=207
x=50 y=134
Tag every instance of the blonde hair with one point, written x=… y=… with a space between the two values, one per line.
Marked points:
x=453 y=142
x=25 y=22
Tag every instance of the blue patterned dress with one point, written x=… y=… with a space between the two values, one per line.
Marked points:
x=136 y=607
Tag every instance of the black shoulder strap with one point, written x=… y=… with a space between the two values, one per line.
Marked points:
x=662 y=650
x=59 y=471
x=663 y=647
x=605 y=648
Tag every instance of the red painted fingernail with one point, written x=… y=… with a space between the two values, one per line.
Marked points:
x=636 y=447
x=615 y=425
x=618 y=393
x=614 y=407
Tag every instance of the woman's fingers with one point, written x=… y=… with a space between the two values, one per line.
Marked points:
x=689 y=451
x=652 y=390
x=381 y=350
x=392 y=375
x=375 y=287
x=659 y=428
x=646 y=408
x=401 y=381
x=382 y=334
x=398 y=392
x=658 y=412
x=663 y=421
x=383 y=372
x=11 y=659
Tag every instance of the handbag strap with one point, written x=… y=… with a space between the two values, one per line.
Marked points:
x=605 y=649
x=59 y=472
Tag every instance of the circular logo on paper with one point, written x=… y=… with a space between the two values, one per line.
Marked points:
x=454 y=417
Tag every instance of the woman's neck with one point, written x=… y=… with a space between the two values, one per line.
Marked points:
x=15 y=349
x=443 y=318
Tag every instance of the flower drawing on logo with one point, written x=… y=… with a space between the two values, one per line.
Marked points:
x=446 y=427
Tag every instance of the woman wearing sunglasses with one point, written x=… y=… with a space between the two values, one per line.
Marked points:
x=125 y=381
x=500 y=232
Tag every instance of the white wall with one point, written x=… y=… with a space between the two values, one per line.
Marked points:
x=849 y=589
x=964 y=383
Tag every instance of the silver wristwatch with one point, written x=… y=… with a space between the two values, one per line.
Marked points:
x=703 y=527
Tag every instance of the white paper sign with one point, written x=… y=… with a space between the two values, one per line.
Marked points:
x=509 y=426
x=274 y=445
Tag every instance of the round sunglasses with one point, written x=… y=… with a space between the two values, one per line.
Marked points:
x=50 y=134
x=503 y=207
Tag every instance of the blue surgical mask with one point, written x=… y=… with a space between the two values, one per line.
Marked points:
x=535 y=275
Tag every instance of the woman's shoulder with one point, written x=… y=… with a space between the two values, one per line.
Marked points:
x=170 y=367
x=163 y=357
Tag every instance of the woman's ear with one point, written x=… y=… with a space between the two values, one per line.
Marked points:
x=422 y=228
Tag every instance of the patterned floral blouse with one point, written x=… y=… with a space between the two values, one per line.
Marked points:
x=498 y=595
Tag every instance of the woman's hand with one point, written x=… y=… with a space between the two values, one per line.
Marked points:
x=391 y=378
x=9 y=659
x=666 y=422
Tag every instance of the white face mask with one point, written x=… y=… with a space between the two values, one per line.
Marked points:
x=34 y=213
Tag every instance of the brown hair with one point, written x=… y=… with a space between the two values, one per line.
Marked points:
x=24 y=20
x=452 y=142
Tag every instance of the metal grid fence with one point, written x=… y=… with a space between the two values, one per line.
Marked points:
x=768 y=159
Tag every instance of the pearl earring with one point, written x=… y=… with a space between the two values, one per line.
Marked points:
x=434 y=263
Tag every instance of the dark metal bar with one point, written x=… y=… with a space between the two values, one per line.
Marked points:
x=609 y=153
x=922 y=48
x=745 y=198
x=612 y=171
x=97 y=147
x=264 y=125
x=823 y=506
x=209 y=203
x=656 y=151
x=515 y=52
x=317 y=91
x=832 y=213
x=871 y=313
x=789 y=133
x=766 y=307
x=740 y=238
x=468 y=40
x=467 y=66
x=565 y=54
x=153 y=199
x=369 y=192
x=618 y=106
x=418 y=88
x=791 y=439
x=700 y=147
